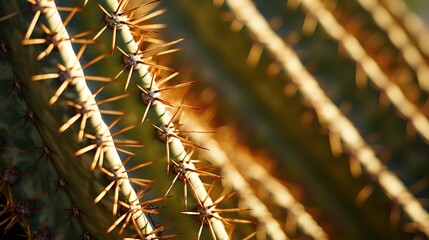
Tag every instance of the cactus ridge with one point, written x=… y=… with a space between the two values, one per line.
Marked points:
x=324 y=107
x=99 y=139
x=24 y=205
x=398 y=36
x=231 y=159
x=410 y=22
x=354 y=49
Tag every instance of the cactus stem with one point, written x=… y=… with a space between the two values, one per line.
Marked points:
x=239 y=165
x=371 y=67
x=328 y=113
x=102 y=142
x=409 y=21
x=400 y=39
x=176 y=146
x=74 y=76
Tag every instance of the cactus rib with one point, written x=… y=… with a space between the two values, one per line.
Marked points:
x=355 y=50
x=71 y=62
x=328 y=113
x=85 y=95
x=21 y=162
x=399 y=37
x=243 y=167
x=410 y=22
x=176 y=148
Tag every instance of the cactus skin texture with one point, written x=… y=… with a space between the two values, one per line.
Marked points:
x=107 y=179
x=312 y=117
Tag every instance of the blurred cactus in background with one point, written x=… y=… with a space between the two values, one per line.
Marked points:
x=291 y=119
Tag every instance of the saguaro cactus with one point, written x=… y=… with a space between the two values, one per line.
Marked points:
x=312 y=114
x=94 y=154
